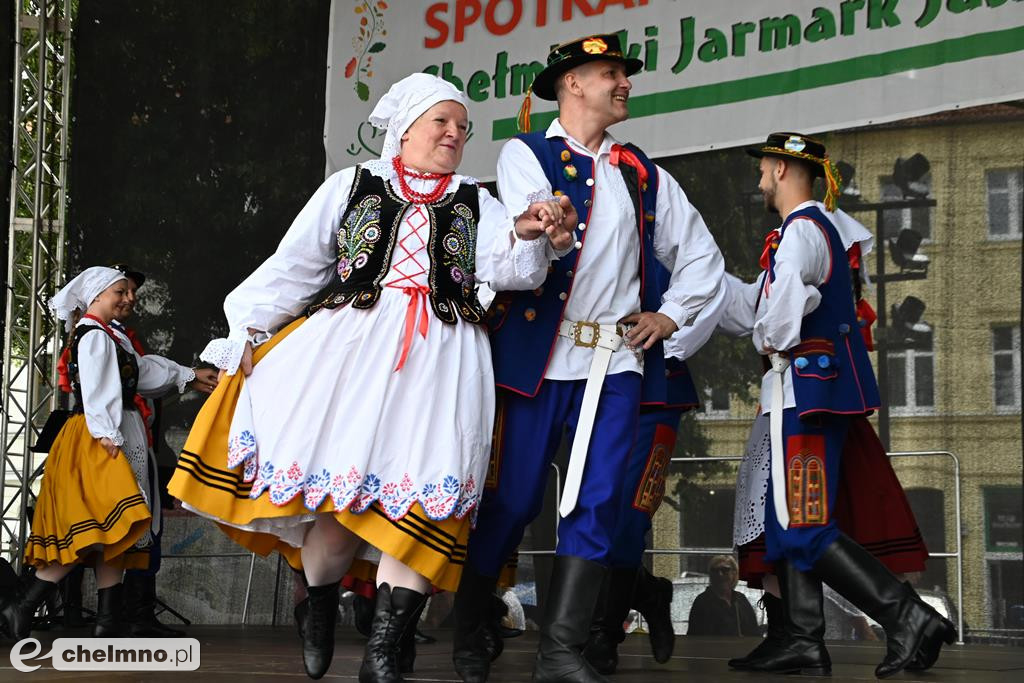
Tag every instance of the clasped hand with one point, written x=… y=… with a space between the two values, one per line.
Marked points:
x=556 y=218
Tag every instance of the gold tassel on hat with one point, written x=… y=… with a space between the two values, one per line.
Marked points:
x=833 y=183
x=523 y=118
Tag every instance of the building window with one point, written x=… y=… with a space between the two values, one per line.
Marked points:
x=1006 y=366
x=1005 y=200
x=716 y=402
x=1003 y=556
x=911 y=381
x=918 y=219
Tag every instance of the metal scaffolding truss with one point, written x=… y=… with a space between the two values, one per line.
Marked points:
x=36 y=250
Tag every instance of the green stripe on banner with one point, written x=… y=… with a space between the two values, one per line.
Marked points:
x=805 y=78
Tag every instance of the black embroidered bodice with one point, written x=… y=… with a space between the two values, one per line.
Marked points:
x=127 y=364
x=366 y=240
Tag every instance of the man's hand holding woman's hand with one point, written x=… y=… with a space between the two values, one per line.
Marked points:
x=557 y=218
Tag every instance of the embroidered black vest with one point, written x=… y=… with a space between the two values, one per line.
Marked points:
x=127 y=365
x=367 y=237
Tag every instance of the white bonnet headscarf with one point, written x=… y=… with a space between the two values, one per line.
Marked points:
x=81 y=291
x=404 y=102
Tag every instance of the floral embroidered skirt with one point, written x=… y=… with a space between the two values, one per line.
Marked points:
x=326 y=424
x=87 y=501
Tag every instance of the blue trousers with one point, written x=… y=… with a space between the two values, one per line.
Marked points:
x=814 y=447
x=644 y=485
x=527 y=434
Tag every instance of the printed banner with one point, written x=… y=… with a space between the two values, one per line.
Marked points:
x=716 y=74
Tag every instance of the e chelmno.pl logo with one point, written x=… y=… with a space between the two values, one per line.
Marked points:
x=109 y=654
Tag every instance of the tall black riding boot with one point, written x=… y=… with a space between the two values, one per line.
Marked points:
x=575 y=584
x=803 y=648
x=109 y=621
x=614 y=600
x=318 y=630
x=391 y=619
x=475 y=644
x=773 y=640
x=17 y=613
x=911 y=626
x=140 y=608
x=653 y=599
x=407 y=643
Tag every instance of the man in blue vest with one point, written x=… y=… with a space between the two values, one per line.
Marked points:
x=584 y=350
x=820 y=378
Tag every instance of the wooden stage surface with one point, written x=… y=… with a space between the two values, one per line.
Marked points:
x=258 y=653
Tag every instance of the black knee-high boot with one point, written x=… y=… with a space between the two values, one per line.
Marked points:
x=407 y=643
x=614 y=600
x=914 y=631
x=318 y=630
x=575 y=584
x=16 y=615
x=109 y=622
x=803 y=648
x=475 y=643
x=653 y=599
x=773 y=639
x=391 y=618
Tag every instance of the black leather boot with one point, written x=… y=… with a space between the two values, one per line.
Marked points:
x=575 y=585
x=140 y=608
x=653 y=599
x=18 y=611
x=391 y=619
x=803 y=648
x=300 y=612
x=109 y=620
x=774 y=638
x=407 y=643
x=475 y=645
x=613 y=602
x=911 y=626
x=318 y=629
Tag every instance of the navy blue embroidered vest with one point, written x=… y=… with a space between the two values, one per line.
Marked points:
x=127 y=364
x=366 y=240
x=830 y=366
x=524 y=325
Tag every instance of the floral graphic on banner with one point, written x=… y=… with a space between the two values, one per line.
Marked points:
x=367 y=43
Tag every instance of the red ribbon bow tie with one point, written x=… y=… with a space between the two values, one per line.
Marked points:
x=621 y=153
x=771 y=241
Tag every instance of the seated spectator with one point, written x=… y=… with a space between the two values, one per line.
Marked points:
x=720 y=610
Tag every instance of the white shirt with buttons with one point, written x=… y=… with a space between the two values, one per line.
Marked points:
x=606 y=279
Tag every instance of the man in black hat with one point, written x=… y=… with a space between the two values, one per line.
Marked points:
x=820 y=380
x=584 y=350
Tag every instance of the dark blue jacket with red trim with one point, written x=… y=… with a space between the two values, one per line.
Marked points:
x=524 y=325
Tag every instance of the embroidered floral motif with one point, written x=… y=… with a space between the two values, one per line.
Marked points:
x=460 y=247
x=359 y=232
x=352 y=490
x=241 y=447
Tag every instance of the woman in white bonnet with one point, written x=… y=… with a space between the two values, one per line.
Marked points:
x=369 y=419
x=93 y=504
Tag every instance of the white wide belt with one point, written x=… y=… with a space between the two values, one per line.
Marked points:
x=779 y=366
x=605 y=340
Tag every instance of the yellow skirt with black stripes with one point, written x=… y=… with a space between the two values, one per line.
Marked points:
x=205 y=483
x=88 y=501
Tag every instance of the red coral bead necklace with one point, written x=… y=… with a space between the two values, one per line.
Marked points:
x=443 y=180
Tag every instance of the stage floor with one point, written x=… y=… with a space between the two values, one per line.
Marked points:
x=265 y=653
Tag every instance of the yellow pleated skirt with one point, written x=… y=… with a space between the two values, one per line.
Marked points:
x=87 y=501
x=203 y=480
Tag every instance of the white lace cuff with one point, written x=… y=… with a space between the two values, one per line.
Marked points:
x=530 y=256
x=116 y=437
x=184 y=379
x=226 y=354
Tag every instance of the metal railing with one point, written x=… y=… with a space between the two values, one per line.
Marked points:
x=957 y=554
